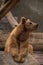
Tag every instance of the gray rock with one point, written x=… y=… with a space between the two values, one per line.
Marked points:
x=6 y=59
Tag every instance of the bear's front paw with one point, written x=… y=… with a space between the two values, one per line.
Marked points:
x=19 y=59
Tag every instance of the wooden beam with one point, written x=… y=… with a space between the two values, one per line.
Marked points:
x=11 y=19
x=36 y=39
x=6 y=7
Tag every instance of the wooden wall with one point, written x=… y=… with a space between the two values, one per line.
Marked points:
x=36 y=39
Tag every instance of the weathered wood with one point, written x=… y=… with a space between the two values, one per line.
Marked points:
x=39 y=56
x=38 y=35
x=11 y=19
x=6 y=59
x=37 y=47
x=4 y=5
x=7 y=6
x=36 y=39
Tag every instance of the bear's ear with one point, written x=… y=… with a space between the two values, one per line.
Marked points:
x=23 y=19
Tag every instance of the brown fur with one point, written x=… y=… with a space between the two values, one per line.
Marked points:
x=17 y=43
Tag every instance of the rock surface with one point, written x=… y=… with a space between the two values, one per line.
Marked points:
x=6 y=59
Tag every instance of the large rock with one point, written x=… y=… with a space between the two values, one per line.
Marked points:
x=6 y=59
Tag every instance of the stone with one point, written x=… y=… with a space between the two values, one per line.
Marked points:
x=6 y=59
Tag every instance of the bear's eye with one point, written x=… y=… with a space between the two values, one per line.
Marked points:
x=30 y=23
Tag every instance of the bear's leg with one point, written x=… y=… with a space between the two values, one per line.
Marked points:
x=30 y=48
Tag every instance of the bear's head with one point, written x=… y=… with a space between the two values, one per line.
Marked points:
x=28 y=24
x=25 y=27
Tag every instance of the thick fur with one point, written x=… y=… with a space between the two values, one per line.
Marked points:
x=17 y=43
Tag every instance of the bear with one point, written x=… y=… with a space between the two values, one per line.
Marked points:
x=17 y=43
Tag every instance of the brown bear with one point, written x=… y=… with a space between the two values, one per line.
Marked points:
x=17 y=43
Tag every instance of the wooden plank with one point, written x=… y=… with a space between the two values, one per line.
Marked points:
x=36 y=41
x=37 y=47
x=11 y=19
x=39 y=56
x=3 y=6
x=7 y=7
x=37 y=35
